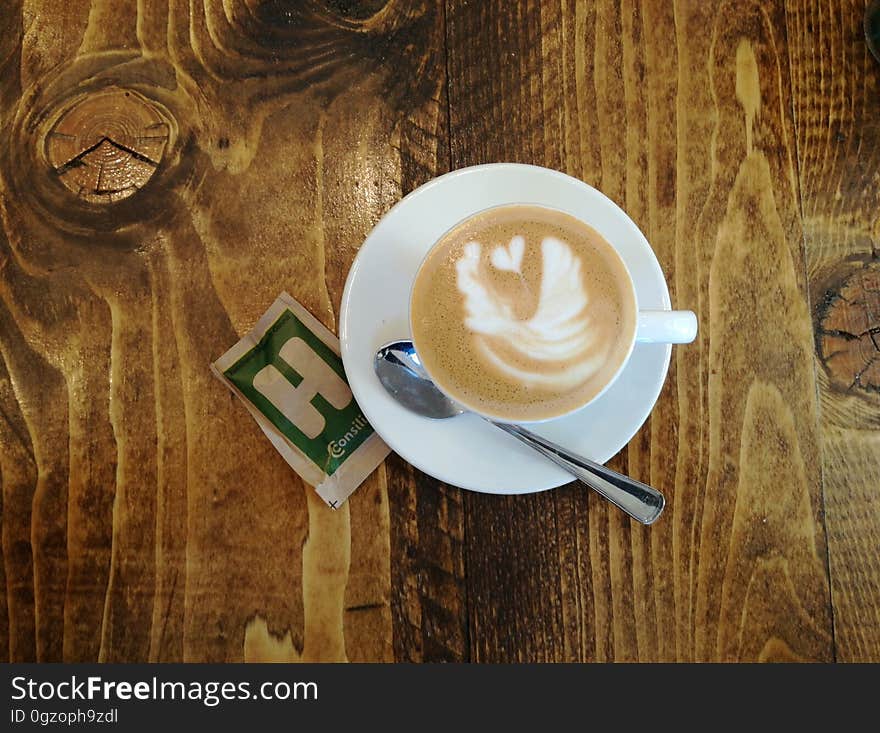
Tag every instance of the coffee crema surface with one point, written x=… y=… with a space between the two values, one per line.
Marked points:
x=523 y=313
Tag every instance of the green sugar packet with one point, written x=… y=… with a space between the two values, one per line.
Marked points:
x=288 y=372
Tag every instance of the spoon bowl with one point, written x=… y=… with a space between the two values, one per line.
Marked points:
x=401 y=372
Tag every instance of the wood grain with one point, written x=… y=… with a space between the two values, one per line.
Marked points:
x=681 y=113
x=836 y=84
x=144 y=515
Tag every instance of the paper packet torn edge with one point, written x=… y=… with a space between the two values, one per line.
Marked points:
x=362 y=461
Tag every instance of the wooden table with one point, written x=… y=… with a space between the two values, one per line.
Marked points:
x=168 y=168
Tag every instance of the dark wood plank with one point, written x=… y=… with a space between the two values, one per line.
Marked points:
x=682 y=114
x=836 y=85
x=427 y=545
x=145 y=517
x=427 y=517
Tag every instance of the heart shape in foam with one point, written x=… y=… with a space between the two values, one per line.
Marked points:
x=509 y=258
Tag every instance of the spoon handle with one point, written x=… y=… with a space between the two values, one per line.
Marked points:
x=638 y=500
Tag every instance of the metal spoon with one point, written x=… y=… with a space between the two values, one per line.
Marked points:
x=401 y=373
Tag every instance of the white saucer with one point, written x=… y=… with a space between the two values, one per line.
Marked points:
x=466 y=451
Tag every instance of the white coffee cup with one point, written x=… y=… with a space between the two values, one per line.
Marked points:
x=651 y=326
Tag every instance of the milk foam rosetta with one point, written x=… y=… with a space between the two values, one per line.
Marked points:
x=557 y=337
x=522 y=312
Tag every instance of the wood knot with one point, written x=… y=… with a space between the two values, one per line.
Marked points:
x=281 y=13
x=355 y=9
x=107 y=145
x=849 y=331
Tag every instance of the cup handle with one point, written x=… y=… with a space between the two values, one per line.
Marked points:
x=666 y=327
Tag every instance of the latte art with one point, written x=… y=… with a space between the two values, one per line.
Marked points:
x=556 y=336
x=522 y=313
